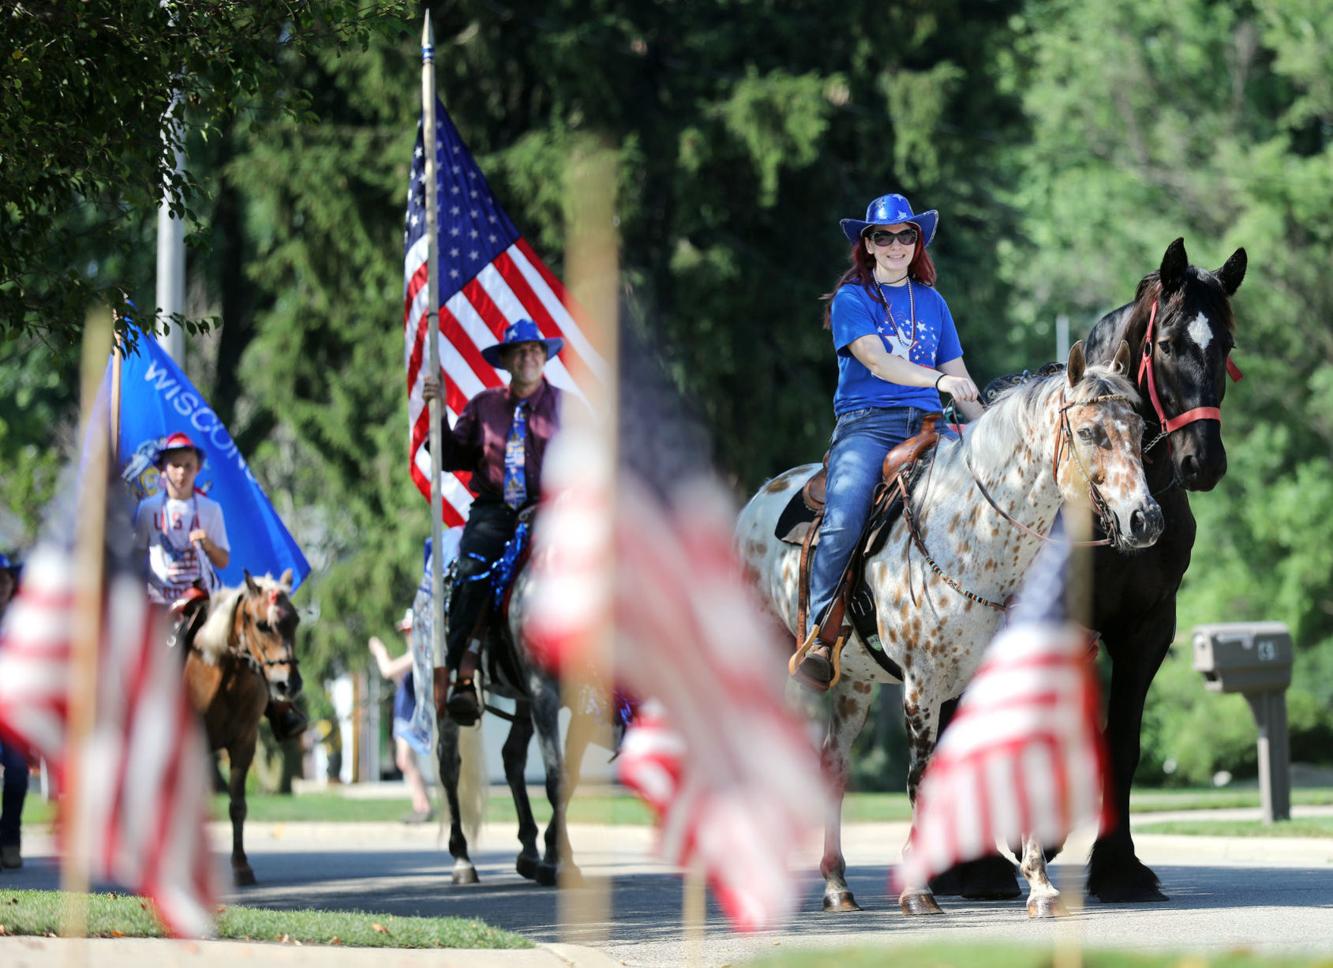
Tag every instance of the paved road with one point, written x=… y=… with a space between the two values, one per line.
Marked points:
x=1273 y=895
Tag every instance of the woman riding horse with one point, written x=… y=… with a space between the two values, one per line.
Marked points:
x=897 y=349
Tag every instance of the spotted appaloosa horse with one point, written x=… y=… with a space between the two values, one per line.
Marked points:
x=241 y=659
x=1030 y=461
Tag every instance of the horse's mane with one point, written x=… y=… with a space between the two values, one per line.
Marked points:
x=213 y=637
x=1008 y=419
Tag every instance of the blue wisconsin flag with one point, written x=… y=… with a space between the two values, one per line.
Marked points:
x=157 y=399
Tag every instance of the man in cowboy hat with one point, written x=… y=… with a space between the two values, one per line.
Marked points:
x=501 y=437
x=178 y=524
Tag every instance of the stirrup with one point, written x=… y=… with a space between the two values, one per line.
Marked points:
x=835 y=660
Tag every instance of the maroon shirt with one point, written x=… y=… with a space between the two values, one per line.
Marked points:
x=477 y=441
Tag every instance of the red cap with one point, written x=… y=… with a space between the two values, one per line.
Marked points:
x=179 y=441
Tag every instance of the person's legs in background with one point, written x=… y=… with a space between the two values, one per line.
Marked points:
x=11 y=804
x=416 y=783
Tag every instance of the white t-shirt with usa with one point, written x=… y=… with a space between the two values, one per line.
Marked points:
x=162 y=525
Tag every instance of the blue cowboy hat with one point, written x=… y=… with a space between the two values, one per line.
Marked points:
x=890 y=210
x=523 y=331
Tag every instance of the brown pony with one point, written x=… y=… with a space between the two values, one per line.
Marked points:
x=241 y=660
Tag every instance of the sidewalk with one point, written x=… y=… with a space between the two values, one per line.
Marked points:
x=28 y=952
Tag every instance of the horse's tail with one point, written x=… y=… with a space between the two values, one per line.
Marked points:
x=473 y=781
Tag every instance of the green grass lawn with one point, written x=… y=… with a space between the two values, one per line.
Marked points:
x=118 y=915
x=1014 y=956
x=1300 y=827
x=620 y=807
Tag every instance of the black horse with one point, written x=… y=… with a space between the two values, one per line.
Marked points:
x=1182 y=329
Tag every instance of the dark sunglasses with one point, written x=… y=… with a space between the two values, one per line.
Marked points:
x=883 y=237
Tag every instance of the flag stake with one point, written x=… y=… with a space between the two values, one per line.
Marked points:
x=694 y=914
x=593 y=269
x=1078 y=603
x=86 y=626
x=428 y=138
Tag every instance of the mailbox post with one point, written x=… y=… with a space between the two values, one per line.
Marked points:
x=1254 y=659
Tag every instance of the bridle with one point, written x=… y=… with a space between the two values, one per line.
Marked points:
x=1064 y=444
x=257 y=662
x=1146 y=368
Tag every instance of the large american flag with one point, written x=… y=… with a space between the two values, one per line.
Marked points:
x=1024 y=753
x=144 y=772
x=489 y=277
x=734 y=778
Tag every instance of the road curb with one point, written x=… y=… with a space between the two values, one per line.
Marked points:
x=37 y=952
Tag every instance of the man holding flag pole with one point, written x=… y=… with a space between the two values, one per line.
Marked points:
x=472 y=282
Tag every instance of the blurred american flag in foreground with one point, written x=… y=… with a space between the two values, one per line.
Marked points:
x=143 y=778
x=1023 y=754
x=726 y=765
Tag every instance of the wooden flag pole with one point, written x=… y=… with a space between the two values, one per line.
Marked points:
x=428 y=143
x=89 y=558
x=1078 y=609
x=694 y=914
x=593 y=269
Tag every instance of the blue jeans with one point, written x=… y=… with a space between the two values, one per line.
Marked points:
x=861 y=439
x=15 y=790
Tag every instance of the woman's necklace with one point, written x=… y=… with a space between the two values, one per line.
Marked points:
x=911 y=312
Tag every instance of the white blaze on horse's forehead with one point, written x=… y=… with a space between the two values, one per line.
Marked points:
x=1200 y=331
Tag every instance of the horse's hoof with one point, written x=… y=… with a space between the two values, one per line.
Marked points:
x=527 y=865
x=914 y=904
x=988 y=879
x=548 y=875
x=1046 y=907
x=569 y=876
x=840 y=902
x=243 y=876
x=1130 y=882
x=463 y=873
x=948 y=883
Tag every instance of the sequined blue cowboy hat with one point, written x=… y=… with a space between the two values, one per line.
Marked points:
x=890 y=210
x=522 y=331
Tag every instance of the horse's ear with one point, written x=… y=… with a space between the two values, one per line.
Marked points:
x=251 y=585
x=1074 y=368
x=1232 y=274
x=286 y=579
x=1174 y=264
x=1121 y=362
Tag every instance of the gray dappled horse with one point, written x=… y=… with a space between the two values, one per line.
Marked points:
x=1040 y=445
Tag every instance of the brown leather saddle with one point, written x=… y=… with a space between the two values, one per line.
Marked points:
x=852 y=608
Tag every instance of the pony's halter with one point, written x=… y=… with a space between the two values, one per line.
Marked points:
x=1171 y=424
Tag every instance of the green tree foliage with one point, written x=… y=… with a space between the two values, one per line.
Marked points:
x=1210 y=120
x=84 y=153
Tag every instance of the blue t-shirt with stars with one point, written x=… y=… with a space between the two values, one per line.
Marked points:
x=932 y=341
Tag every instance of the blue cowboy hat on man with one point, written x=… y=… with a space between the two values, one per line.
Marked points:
x=516 y=334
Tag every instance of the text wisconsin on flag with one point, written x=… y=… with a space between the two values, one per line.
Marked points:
x=144 y=773
x=489 y=277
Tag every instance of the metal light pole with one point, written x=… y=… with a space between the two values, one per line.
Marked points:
x=171 y=249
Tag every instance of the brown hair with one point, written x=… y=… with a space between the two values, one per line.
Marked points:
x=862 y=270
